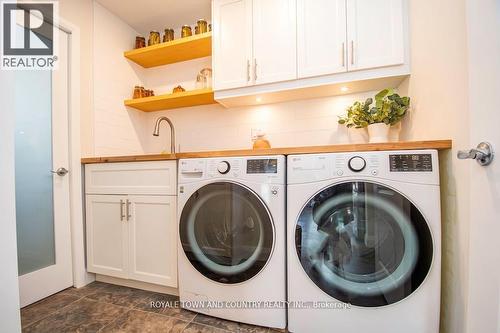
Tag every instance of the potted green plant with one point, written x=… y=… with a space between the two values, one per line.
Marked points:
x=389 y=110
x=356 y=121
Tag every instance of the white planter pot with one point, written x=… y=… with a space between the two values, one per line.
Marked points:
x=357 y=135
x=394 y=131
x=378 y=133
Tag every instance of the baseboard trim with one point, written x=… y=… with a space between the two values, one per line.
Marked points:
x=137 y=284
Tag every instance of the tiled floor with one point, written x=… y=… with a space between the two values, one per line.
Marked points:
x=101 y=307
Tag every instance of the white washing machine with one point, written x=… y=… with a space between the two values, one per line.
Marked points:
x=364 y=242
x=232 y=233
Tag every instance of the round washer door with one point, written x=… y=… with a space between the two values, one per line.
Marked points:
x=364 y=244
x=226 y=232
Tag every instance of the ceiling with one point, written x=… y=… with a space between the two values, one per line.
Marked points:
x=147 y=15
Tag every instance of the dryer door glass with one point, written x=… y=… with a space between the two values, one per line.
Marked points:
x=226 y=232
x=364 y=244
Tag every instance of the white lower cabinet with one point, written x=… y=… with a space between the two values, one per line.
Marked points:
x=132 y=235
x=107 y=235
x=153 y=240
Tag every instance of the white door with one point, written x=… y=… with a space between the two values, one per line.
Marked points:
x=153 y=239
x=107 y=234
x=483 y=23
x=42 y=197
x=375 y=33
x=232 y=43
x=274 y=41
x=321 y=37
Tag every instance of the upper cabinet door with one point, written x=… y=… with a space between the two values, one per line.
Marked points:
x=375 y=33
x=321 y=36
x=274 y=41
x=232 y=43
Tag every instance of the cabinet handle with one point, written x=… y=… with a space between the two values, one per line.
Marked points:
x=122 y=216
x=352 y=52
x=343 y=54
x=128 y=210
x=248 y=70
x=255 y=69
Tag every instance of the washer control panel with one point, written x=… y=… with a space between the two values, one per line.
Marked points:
x=223 y=167
x=265 y=169
x=262 y=165
x=357 y=163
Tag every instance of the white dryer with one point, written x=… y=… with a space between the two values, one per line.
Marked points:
x=232 y=233
x=364 y=242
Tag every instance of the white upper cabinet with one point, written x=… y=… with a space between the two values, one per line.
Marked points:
x=232 y=43
x=375 y=33
x=274 y=41
x=321 y=37
x=282 y=50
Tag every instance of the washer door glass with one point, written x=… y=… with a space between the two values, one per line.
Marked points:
x=226 y=232
x=364 y=244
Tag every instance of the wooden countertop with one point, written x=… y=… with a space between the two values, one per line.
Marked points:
x=408 y=145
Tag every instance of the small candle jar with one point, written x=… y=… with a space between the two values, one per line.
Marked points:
x=140 y=41
x=137 y=92
x=186 y=31
x=168 y=36
x=202 y=26
x=154 y=38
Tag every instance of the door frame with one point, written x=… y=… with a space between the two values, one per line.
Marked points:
x=80 y=275
x=76 y=214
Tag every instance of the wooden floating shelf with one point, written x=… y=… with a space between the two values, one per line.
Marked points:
x=182 y=49
x=172 y=101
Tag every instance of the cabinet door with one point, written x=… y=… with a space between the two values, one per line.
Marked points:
x=375 y=33
x=153 y=239
x=274 y=40
x=232 y=43
x=107 y=235
x=321 y=37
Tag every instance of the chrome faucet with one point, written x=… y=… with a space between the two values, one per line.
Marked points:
x=172 y=132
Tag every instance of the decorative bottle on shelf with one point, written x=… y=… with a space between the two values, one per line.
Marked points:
x=260 y=141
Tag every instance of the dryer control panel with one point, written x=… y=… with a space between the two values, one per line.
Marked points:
x=410 y=162
x=419 y=166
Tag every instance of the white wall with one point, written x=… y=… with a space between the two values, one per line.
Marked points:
x=298 y=123
x=10 y=320
x=79 y=14
x=116 y=130
x=438 y=87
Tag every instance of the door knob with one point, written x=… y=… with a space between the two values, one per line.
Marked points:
x=483 y=154
x=60 y=172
